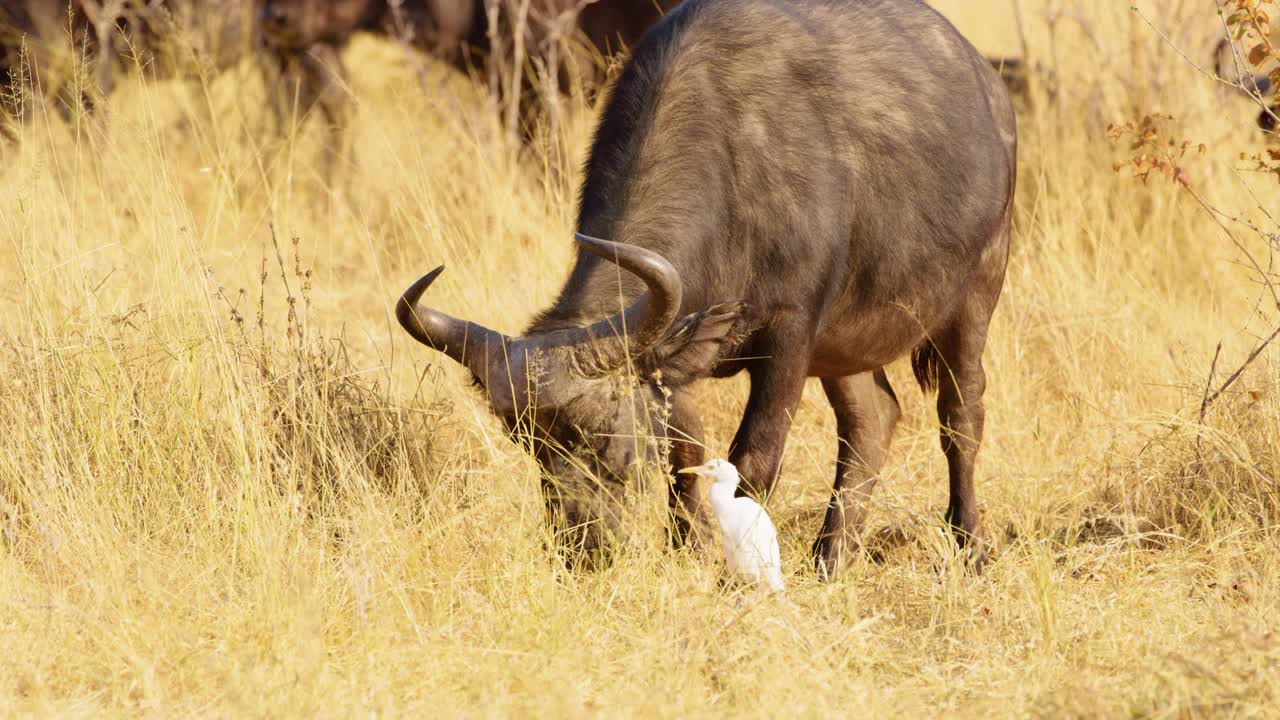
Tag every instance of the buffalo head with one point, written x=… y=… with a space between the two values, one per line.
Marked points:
x=304 y=23
x=438 y=26
x=589 y=402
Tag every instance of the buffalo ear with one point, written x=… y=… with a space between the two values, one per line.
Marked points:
x=695 y=342
x=1267 y=119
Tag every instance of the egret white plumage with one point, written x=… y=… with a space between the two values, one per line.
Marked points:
x=750 y=540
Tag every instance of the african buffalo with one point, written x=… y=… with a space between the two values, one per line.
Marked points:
x=462 y=32
x=1230 y=64
x=32 y=27
x=1013 y=73
x=789 y=195
x=170 y=38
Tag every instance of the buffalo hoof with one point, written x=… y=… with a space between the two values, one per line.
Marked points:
x=832 y=555
x=972 y=549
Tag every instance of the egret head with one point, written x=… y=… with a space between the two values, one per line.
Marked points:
x=721 y=472
x=589 y=402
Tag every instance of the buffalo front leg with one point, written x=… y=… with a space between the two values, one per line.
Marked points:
x=313 y=80
x=866 y=411
x=325 y=73
x=690 y=516
x=777 y=382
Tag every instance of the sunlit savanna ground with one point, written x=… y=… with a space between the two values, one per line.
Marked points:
x=206 y=513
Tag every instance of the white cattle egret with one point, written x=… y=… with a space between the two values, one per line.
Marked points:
x=750 y=540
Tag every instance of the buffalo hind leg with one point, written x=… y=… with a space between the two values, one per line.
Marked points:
x=961 y=383
x=866 y=412
x=776 y=385
x=692 y=524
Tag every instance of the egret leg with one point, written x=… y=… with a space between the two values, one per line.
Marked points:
x=866 y=410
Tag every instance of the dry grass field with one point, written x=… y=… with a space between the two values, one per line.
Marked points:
x=230 y=486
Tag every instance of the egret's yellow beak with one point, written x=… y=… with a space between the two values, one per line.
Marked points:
x=695 y=470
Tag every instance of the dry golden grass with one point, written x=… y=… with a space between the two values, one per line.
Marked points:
x=211 y=508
